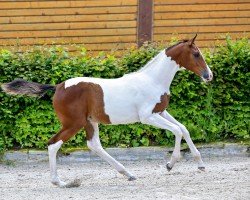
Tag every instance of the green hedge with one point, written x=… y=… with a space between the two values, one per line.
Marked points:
x=215 y=111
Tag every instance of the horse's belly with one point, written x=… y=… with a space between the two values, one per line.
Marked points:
x=120 y=105
x=120 y=111
x=122 y=116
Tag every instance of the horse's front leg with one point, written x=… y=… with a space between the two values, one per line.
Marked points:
x=188 y=139
x=160 y=122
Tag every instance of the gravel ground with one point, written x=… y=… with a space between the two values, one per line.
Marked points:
x=225 y=178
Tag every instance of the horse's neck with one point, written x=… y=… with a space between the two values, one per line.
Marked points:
x=162 y=70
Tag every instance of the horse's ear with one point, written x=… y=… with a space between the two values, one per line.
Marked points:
x=192 y=40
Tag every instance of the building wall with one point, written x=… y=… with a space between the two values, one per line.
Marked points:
x=98 y=24
x=112 y=24
x=211 y=19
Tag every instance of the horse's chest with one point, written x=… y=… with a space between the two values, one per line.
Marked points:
x=163 y=104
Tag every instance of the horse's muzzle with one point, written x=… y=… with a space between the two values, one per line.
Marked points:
x=207 y=75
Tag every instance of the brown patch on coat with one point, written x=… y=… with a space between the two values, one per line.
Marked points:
x=76 y=107
x=160 y=107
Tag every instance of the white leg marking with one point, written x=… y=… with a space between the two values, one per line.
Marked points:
x=188 y=139
x=95 y=145
x=52 y=150
x=160 y=122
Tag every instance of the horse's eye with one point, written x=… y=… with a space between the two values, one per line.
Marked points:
x=196 y=54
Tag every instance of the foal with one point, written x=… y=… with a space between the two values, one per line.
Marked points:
x=137 y=97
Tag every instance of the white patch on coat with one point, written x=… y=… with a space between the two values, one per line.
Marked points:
x=131 y=98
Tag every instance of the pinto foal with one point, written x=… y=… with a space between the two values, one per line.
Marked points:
x=137 y=97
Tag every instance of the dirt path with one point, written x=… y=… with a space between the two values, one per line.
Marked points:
x=225 y=178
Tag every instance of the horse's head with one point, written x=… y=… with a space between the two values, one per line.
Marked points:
x=187 y=55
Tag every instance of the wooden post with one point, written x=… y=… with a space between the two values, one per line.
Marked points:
x=145 y=21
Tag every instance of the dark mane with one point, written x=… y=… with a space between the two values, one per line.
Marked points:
x=183 y=41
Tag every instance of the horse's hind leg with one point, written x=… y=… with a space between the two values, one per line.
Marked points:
x=52 y=150
x=94 y=144
x=54 y=145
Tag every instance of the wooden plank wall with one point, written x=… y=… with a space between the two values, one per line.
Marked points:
x=98 y=24
x=112 y=24
x=211 y=19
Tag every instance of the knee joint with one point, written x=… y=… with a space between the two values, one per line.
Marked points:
x=177 y=131
x=184 y=130
x=93 y=146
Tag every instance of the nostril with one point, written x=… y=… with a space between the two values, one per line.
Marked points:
x=205 y=75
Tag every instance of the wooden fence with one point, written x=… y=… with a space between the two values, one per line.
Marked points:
x=117 y=24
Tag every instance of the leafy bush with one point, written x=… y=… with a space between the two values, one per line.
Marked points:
x=210 y=111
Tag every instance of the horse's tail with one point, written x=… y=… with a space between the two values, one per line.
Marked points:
x=23 y=87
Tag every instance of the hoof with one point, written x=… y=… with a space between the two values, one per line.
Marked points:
x=168 y=167
x=131 y=178
x=59 y=183
x=75 y=183
x=201 y=168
